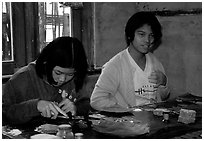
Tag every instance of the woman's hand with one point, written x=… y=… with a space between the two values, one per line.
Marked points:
x=47 y=109
x=158 y=78
x=67 y=106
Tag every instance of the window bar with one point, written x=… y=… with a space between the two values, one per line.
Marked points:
x=55 y=19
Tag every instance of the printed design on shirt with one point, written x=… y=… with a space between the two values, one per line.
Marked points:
x=147 y=91
x=70 y=96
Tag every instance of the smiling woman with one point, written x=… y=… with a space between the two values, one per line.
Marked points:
x=57 y=76
x=134 y=76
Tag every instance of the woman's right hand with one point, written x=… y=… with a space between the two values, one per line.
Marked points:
x=47 y=109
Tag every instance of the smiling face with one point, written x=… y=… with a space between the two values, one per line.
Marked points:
x=143 y=40
x=62 y=75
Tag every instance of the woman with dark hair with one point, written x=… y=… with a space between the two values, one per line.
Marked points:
x=134 y=76
x=57 y=77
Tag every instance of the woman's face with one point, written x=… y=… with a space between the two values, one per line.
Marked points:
x=143 y=39
x=62 y=75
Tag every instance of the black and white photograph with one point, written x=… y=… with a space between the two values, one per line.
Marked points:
x=101 y=70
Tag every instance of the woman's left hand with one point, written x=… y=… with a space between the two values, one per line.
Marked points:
x=67 y=106
x=158 y=78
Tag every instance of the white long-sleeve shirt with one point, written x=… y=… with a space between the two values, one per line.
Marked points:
x=116 y=85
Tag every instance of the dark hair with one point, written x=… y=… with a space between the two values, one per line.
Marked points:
x=138 y=20
x=66 y=52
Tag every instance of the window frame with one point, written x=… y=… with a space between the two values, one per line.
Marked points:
x=26 y=44
x=25 y=36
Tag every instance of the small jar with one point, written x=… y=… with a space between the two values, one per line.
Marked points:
x=78 y=135
x=166 y=117
x=65 y=131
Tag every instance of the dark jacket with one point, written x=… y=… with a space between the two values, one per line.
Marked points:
x=24 y=89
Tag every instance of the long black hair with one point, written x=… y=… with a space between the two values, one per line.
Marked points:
x=66 y=52
x=138 y=20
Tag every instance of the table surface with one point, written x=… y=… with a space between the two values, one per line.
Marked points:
x=158 y=129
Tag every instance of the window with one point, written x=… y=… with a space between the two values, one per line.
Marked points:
x=19 y=35
x=29 y=26
x=7 y=34
x=7 y=40
x=54 y=21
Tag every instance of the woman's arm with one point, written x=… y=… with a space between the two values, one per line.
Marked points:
x=105 y=88
x=17 y=107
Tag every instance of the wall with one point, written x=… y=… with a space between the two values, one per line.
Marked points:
x=180 y=51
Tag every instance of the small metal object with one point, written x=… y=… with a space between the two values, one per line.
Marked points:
x=165 y=117
x=60 y=91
